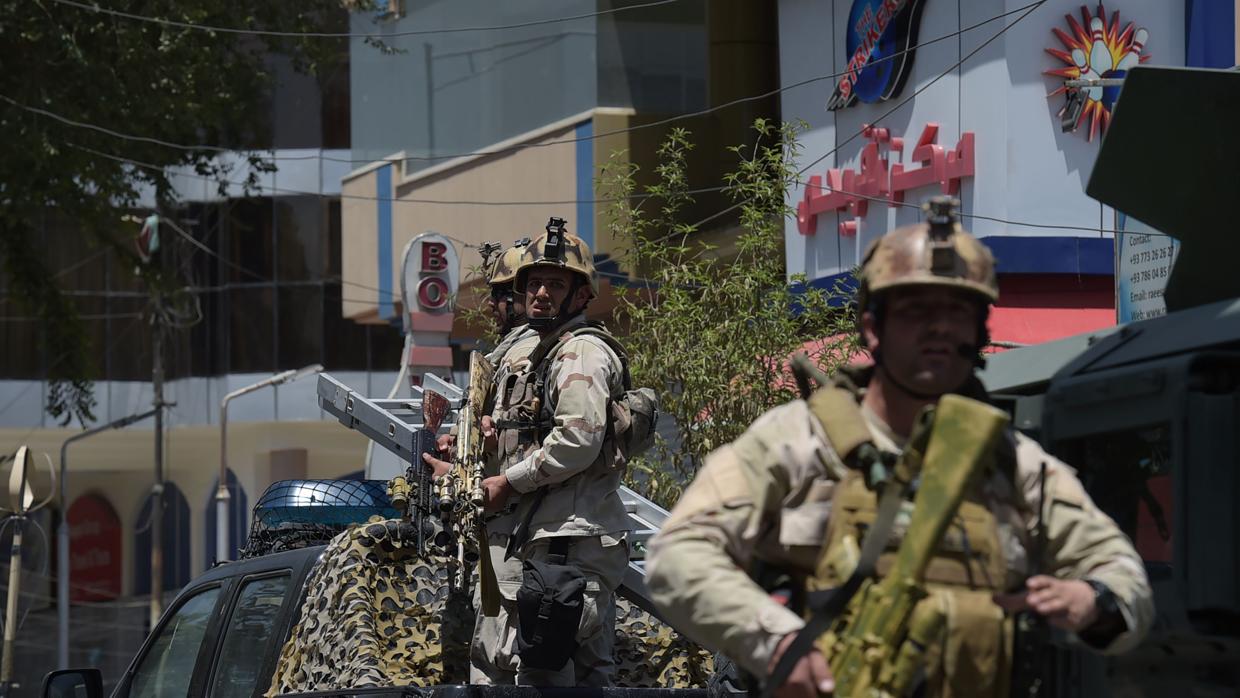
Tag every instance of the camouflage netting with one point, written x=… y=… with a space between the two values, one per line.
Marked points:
x=377 y=615
x=649 y=654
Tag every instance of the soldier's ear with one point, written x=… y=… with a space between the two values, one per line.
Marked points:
x=581 y=297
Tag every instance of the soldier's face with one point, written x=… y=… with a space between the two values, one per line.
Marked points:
x=927 y=337
x=547 y=287
x=501 y=300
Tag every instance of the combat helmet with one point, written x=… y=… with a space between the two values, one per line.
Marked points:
x=504 y=269
x=934 y=252
x=500 y=271
x=562 y=250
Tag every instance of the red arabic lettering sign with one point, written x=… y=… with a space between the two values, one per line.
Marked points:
x=877 y=179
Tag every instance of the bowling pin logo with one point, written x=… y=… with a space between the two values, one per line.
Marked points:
x=1095 y=47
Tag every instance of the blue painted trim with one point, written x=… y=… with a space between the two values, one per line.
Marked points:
x=845 y=285
x=585 y=182
x=383 y=196
x=1210 y=33
x=1021 y=255
x=1052 y=255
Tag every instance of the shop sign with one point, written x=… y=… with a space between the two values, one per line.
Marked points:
x=430 y=275
x=94 y=550
x=880 y=42
x=879 y=180
x=1144 y=258
x=1095 y=48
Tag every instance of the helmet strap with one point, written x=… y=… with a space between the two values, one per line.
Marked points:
x=543 y=325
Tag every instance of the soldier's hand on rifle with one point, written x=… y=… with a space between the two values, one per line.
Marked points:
x=810 y=678
x=445 y=443
x=439 y=467
x=495 y=491
x=1065 y=603
x=489 y=434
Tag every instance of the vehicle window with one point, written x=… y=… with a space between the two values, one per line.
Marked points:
x=167 y=668
x=1129 y=476
x=247 y=641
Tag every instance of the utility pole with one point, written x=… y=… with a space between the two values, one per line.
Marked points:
x=62 y=536
x=157 y=491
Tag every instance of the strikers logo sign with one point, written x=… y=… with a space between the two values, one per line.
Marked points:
x=882 y=35
x=1102 y=51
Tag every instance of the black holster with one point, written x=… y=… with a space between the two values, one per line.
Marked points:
x=550 y=603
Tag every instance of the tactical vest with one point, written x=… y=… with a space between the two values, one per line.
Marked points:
x=974 y=655
x=523 y=416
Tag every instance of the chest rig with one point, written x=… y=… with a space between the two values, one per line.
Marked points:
x=523 y=415
x=966 y=648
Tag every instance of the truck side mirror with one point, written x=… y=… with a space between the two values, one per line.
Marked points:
x=73 y=683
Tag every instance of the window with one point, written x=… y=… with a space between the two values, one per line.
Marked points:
x=167 y=668
x=248 y=639
x=1128 y=474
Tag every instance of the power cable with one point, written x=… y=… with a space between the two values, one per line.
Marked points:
x=360 y=197
x=101 y=316
x=349 y=35
x=1028 y=10
x=1019 y=224
x=520 y=146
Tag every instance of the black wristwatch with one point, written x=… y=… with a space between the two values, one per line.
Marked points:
x=1110 y=622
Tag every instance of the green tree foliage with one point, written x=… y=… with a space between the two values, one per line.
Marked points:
x=153 y=81
x=714 y=334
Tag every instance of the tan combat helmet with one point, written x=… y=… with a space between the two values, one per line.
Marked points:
x=558 y=248
x=935 y=252
x=504 y=270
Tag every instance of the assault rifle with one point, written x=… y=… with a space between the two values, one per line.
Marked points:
x=411 y=493
x=460 y=495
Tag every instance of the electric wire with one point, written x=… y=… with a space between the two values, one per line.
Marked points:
x=350 y=35
x=1028 y=10
x=519 y=146
x=995 y=219
x=361 y=197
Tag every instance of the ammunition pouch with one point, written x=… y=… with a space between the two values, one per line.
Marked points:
x=550 y=604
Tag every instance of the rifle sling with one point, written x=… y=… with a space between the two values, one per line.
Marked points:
x=827 y=606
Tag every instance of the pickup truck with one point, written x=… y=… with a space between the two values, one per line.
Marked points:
x=222 y=635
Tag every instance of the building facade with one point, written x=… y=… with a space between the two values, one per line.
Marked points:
x=482 y=136
x=975 y=111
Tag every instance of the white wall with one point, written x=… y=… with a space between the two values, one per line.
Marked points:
x=1027 y=169
x=197 y=400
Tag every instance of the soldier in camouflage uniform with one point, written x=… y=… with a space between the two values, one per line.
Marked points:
x=788 y=493
x=554 y=475
x=507 y=306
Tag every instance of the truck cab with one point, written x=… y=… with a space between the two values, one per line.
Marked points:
x=220 y=637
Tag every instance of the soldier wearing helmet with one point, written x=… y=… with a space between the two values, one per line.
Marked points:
x=553 y=490
x=795 y=489
x=507 y=306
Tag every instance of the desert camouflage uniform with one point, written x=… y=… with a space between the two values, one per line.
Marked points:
x=508 y=341
x=767 y=498
x=582 y=479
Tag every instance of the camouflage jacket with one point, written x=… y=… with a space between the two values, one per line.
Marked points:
x=568 y=455
x=509 y=340
x=766 y=498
